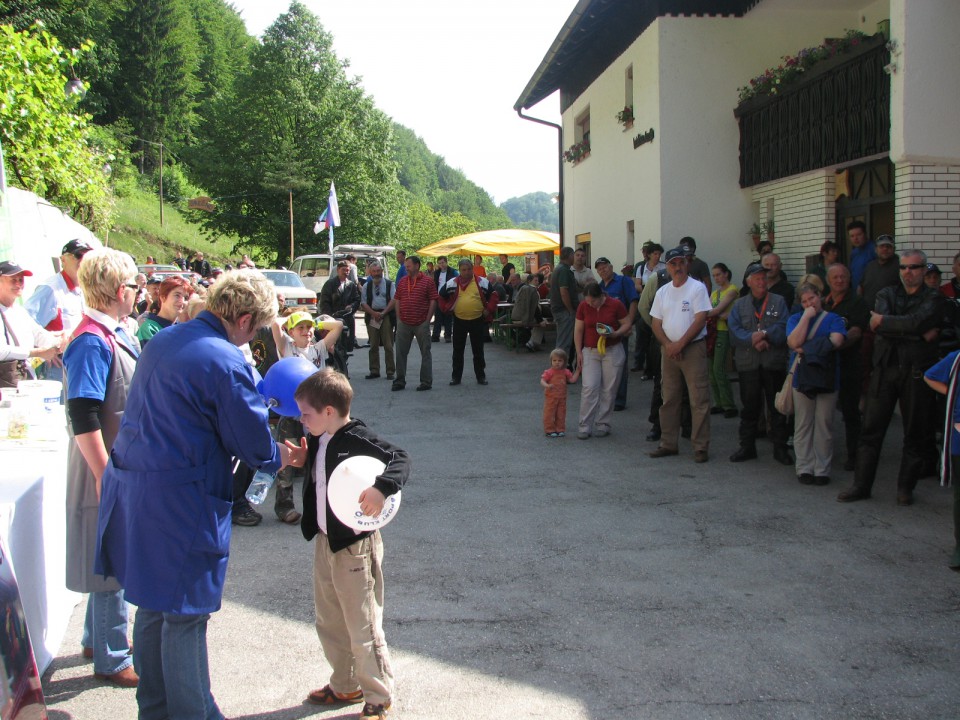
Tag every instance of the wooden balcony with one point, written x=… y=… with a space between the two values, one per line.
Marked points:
x=838 y=112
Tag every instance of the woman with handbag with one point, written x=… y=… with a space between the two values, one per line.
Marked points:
x=722 y=297
x=814 y=337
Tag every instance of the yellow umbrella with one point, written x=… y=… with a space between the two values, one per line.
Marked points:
x=510 y=241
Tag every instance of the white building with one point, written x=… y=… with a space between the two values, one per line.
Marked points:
x=871 y=134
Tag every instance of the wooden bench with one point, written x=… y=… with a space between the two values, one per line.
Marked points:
x=512 y=332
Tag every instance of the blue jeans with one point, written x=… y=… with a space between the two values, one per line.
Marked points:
x=171 y=660
x=105 y=631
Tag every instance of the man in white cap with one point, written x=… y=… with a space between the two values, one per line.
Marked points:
x=22 y=337
x=679 y=316
x=57 y=303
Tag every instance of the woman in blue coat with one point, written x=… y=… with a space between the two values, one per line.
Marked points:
x=164 y=527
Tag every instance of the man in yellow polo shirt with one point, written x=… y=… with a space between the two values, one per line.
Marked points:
x=473 y=303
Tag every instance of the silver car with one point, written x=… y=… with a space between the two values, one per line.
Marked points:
x=288 y=284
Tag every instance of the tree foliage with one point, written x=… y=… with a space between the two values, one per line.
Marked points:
x=295 y=121
x=247 y=121
x=48 y=145
x=224 y=48
x=429 y=179
x=156 y=83
x=534 y=211
x=428 y=226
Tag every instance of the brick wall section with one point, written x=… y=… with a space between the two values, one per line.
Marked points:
x=928 y=211
x=804 y=212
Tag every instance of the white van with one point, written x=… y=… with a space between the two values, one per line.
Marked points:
x=314 y=270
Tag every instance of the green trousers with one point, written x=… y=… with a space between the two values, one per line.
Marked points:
x=719 y=382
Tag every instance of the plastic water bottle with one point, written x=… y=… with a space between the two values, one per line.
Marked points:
x=260 y=486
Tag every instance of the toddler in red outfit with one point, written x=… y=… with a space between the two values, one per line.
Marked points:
x=555 y=380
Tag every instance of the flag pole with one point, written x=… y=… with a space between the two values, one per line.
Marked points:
x=291 y=226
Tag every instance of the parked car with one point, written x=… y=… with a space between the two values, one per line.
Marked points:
x=314 y=270
x=190 y=277
x=150 y=269
x=293 y=290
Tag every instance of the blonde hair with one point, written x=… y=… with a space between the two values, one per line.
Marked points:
x=102 y=273
x=195 y=306
x=810 y=280
x=242 y=292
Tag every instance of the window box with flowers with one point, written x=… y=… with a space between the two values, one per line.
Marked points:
x=806 y=64
x=577 y=152
x=625 y=117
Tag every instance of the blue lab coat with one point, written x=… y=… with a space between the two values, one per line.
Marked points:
x=164 y=525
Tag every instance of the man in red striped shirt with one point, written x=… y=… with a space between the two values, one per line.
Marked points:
x=416 y=299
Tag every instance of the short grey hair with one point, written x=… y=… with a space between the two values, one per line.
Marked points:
x=465 y=263
x=372 y=264
x=917 y=252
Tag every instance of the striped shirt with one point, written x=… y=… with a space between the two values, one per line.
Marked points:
x=414 y=295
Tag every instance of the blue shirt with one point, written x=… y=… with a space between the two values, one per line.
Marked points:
x=831 y=324
x=859 y=259
x=622 y=288
x=941 y=373
x=402 y=272
x=87 y=360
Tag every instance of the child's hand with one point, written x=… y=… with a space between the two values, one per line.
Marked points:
x=295 y=455
x=371 y=502
x=576 y=375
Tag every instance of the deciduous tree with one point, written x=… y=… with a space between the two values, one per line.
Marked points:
x=295 y=114
x=47 y=141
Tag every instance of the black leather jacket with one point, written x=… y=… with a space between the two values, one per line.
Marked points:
x=906 y=318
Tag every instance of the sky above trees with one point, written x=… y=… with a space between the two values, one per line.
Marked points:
x=451 y=71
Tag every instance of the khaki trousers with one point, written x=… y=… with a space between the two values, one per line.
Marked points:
x=600 y=376
x=348 y=597
x=813 y=432
x=382 y=335
x=694 y=367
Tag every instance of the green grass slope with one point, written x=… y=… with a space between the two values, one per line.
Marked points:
x=137 y=230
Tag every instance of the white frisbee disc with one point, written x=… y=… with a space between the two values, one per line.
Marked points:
x=352 y=477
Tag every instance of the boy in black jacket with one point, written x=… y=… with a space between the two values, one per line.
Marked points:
x=347 y=575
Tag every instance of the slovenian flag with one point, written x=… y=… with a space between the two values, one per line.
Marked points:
x=330 y=217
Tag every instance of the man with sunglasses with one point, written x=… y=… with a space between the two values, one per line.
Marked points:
x=906 y=319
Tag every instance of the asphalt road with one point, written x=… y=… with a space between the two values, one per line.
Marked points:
x=534 y=577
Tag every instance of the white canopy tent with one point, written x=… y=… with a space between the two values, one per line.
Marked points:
x=38 y=231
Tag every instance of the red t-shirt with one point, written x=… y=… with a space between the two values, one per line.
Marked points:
x=609 y=313
x=414 y=295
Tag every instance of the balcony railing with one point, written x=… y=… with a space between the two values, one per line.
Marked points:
x=838 y=112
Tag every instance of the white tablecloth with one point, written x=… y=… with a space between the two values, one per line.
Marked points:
x=32 y=523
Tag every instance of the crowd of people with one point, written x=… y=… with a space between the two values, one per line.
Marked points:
x=868 y=335
x=165 y=369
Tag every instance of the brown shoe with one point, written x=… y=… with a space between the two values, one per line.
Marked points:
x=327 y=696
x=905 y=498
x=290 y=517
x=126 y=678
x=700 y=456
x=663 y=452
x=88 y=653
x=374 y=712
x=852 y=494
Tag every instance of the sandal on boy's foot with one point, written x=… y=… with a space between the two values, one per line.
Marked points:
x=374 y=712
x=327 y=696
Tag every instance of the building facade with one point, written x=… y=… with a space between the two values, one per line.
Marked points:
x=870 y=133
